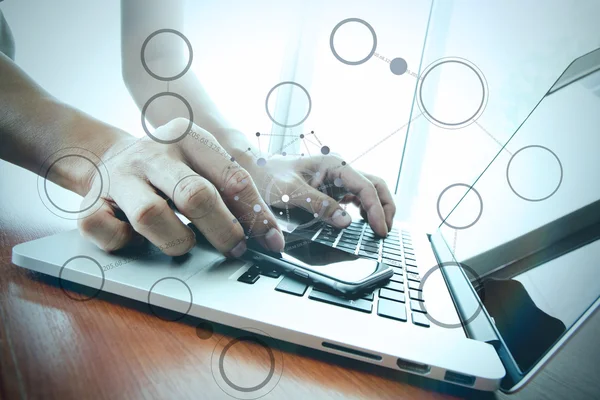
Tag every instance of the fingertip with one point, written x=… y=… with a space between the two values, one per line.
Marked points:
x=274 y=240
x=341 y=219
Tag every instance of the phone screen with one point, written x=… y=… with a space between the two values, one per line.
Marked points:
x=334 y=263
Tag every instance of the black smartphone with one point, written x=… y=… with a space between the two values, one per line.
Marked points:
x=320 y=264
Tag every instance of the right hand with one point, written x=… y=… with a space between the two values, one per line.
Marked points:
x=217 y=195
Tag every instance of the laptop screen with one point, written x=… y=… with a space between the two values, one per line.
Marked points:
x=526 y=231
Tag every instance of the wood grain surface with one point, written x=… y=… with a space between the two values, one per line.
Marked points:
x=52 y=346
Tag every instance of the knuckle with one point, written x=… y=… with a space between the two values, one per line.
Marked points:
x=237 y=182
x=194 y=194
x=179 y=123
x=90 y=224
x=229 y=238
x=147 y=213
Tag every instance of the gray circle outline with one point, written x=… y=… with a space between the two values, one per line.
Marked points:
x=187 y=105
x=440 y=199
x=307 y=96
x=423 y=308
x=183 y=314
x=212 y=206
x=247 y=338
x=559 y=164
x=369 y=27
x=46 y=182
x=248 y=331
x=484 y=89
x=96 y=166
x=166 y=78
x=97 y=290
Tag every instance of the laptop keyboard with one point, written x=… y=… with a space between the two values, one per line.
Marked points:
x=399 y=299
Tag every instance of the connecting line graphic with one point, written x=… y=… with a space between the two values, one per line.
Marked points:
x=493 y=138
x=454 y=244
x=385 y=138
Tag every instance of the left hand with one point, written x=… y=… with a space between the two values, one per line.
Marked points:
x=319 y=184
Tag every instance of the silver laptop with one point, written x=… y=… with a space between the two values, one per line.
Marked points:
x=481 y=319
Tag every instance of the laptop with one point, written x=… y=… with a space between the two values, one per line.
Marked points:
x=479 y=319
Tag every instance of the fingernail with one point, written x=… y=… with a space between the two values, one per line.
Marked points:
x=275 y=240
x=239 y=249
x=341 y=218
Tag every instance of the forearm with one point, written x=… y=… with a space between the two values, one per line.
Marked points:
x=166 y=55
x=34 y=125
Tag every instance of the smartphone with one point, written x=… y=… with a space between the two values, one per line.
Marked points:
x=322 y=265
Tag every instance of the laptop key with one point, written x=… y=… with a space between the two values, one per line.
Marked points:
x=415 y=295
x=271 y=272
x=418 y=306
x=368 y=254
x=414 y=285
x=412 y=268
x=358 y=304
x=370 y=247
x=349 y=246
x=398 y=278
x=393 y=263
x=393 y=257
x=393 y=285
x=411 y=276
x=388 y=250
x=391 y=309
x=291 y=286
x=391 y=245
x=250 y=276
x=420 y=319
x=391 y=295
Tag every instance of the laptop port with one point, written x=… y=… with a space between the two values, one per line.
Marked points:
x=412 y=366
x=352 y=351
x=461 y=379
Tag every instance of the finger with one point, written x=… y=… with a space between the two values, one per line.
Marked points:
x=150 y=215
x=364 y=189
x=104 y=229
x=356 y=201
x=320 y=205
x=198 y=199
x=387 y=200
x=235 y=185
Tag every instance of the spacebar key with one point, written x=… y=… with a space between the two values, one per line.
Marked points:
x=358 y=304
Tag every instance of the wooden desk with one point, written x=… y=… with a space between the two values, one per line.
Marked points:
x=54 y=347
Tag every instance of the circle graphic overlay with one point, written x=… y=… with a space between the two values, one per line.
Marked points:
x=423 y=304
x=85 y=276
x=167 y=78
x=535 y=146
x=163 y=313
x=338 y=26
x=473 y=115
x=296 y=85
x=470 y=189
x=184 y=190
x=62 y=159
x=187 y=105
x=259 y=342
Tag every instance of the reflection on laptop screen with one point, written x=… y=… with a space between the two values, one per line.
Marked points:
x=533 y=218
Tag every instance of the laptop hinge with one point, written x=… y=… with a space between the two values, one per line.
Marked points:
x=475 y=320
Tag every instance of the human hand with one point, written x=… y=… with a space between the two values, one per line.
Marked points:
x=215 y=193
x=319 y=184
